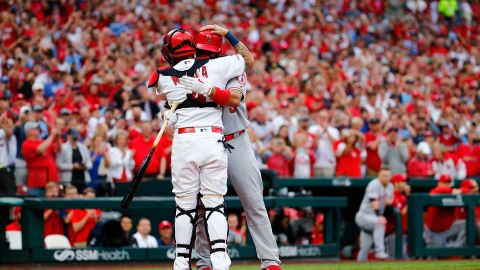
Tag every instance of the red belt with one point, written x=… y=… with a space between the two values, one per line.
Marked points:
x=232 y=136
x=200 y=129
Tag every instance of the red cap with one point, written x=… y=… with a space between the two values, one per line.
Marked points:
x=250 y=105
x=399 y=177
x=19 y=96
x=94 y=107
x=55 y=69
x=208 y=41
x=164 y=224
x=445 y=178
x=61 y=92
x=467 y=186
x=284 y=104
x=428 y=133
x=415 y=94
x=17 y=210
x=271 y=212
x=319 y=218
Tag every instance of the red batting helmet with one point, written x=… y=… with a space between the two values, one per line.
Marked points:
x=177 y=43
x=208 y=41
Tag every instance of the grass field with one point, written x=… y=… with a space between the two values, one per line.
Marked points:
x=440 y=265
x=394 y=265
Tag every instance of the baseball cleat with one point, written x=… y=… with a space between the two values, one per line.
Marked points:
x=272 y=267
x=381 y=255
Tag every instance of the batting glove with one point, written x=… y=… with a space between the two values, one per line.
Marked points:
x=194 y=85
x=171 y=117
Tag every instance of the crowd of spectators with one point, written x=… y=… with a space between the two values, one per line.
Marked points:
x=338 y=87
x=86 y=227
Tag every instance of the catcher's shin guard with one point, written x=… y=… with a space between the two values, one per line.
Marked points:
x=185 y=220
x=217 y=231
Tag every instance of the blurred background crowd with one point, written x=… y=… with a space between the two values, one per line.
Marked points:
x=338 y=88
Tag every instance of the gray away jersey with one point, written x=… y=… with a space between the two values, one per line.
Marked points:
x=376 y=191
x=236 y=119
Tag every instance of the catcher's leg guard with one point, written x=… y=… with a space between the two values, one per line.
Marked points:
x=217 y=230
x=185 y=219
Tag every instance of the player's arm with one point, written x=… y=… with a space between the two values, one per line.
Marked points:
x=230 y=96
x=234 y=96
x=153 y=82
x=239 y=47
x=373 y=196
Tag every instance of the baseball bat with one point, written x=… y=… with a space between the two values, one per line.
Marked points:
x=128 y=197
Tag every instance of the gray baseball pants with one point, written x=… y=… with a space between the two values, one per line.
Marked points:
x=244 y=174
x=372 y=233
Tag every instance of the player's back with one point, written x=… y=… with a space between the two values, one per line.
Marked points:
x=236 y=119
x=198 y=110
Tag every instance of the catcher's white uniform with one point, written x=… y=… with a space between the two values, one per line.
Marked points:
x=199 y=157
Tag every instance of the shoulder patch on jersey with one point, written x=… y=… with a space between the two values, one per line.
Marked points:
x=153 y=81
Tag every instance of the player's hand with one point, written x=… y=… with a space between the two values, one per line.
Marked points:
x=167 y=114
x=176 y=94
x=170 y=116
x=389 y=201
x=216 y=29
x=194 y=85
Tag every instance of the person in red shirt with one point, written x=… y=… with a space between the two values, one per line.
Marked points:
x=70 y=192
x=469 y=186
x=15 y=225
x=52 y=222
x=349 y=160
x=470 y=154
x=448 y=137
x=165 y=232
x=84 y=220
x=13 y=231
x=400 y=194
x=166 y=145
x=140 y=146
x=317 y=230
x=40 y=158
x=62 y=101
x=279 y=155
x=440 y=221
x=372 y=141
x=236 y=233
x=421 y=165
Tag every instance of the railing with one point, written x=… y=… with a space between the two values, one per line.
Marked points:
x=32 y=230
x=164 y=187
x=416 y=205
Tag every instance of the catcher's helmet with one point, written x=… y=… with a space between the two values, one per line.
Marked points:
x=208 y=41
x=177 y=43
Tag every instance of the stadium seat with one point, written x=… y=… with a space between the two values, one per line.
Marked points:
x=15 y=239
x=55 y=241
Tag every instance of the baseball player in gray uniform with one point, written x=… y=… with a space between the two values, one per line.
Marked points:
x=370 y=219
x=243 y=170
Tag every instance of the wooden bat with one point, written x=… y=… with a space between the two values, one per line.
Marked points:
x=128 y=197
